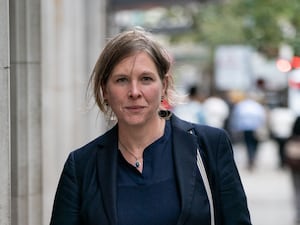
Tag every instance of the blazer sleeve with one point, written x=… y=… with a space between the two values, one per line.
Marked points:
x=228 y=193
x=233 y=198
x=66 y=205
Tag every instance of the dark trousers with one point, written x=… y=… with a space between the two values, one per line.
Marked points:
x=251 y=143
x=296 y=185
x=281 y=145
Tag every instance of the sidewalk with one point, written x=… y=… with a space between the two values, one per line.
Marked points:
x=269 y=189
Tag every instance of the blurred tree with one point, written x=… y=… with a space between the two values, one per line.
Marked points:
x=262 y=24
x=271 y=22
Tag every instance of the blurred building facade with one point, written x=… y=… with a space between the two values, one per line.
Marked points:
x=48 y=49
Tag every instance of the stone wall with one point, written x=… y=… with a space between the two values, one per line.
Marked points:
x=47 y=52
x=5 y=173
x=25 y=95
x=73 y=34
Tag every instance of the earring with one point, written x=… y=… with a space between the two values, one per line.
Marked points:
x=164 y=114
x=162 y=98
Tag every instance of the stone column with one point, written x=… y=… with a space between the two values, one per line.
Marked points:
x=25 y=112
x=5 y=174
x=72 y=37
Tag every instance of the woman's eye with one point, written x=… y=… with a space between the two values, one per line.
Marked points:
x=147 y=79
x=121 y=80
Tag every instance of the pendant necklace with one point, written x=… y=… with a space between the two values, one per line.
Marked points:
x=137 y=163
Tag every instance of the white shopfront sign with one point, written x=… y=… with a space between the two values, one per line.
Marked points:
x=233 y=68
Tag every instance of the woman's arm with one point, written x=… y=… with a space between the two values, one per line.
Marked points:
x=233 y=202
x=67 y=202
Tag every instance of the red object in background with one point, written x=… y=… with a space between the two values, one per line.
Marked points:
x=283 y=65
x=294 y=84
x=294 y=79
x=295 y=62
x=166 y=104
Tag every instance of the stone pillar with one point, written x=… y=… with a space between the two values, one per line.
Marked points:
x=25 y=112
x=95 y=36
x=5 y=174
x=73 y=35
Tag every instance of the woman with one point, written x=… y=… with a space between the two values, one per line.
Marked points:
x=144 y=170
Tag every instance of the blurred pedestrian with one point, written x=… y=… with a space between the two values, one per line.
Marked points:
x=281 y=120
x=216 y=111
x=292 y=154
x=248 y=116
x=192 y=109
x=233 y=97
x=148 y=169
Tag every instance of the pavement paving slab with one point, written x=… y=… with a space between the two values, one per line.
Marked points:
x=268 y=188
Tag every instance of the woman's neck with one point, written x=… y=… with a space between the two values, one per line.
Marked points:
x=138 y=138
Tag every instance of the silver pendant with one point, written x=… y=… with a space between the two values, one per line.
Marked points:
x=137 y=164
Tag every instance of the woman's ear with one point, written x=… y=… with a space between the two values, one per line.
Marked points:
x=165 y=84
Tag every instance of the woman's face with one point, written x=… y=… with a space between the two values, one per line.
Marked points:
x=134 y=90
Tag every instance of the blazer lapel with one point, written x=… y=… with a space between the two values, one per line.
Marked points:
x=185 y=150
x=107 y=173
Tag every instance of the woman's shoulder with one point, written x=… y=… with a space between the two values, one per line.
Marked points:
x=202 y=130
x=90 y=148
x=212 y=135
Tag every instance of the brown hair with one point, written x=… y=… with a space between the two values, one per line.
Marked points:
x=121 y=46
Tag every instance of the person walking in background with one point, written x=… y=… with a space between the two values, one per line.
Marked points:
x=216 y=111
x=248 y=116
x=280 y=122
x=292 y=157
x=192 y=109
x=150 y=168
x=233 y=97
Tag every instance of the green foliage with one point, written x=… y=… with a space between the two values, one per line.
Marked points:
x=263 y=24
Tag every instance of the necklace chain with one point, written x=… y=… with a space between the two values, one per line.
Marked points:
x=137 y=162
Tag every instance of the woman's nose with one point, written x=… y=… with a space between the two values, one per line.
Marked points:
x=134 y=90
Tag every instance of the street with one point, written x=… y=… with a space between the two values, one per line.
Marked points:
x=268 y=188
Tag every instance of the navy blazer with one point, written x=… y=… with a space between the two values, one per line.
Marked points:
x=86 y=193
